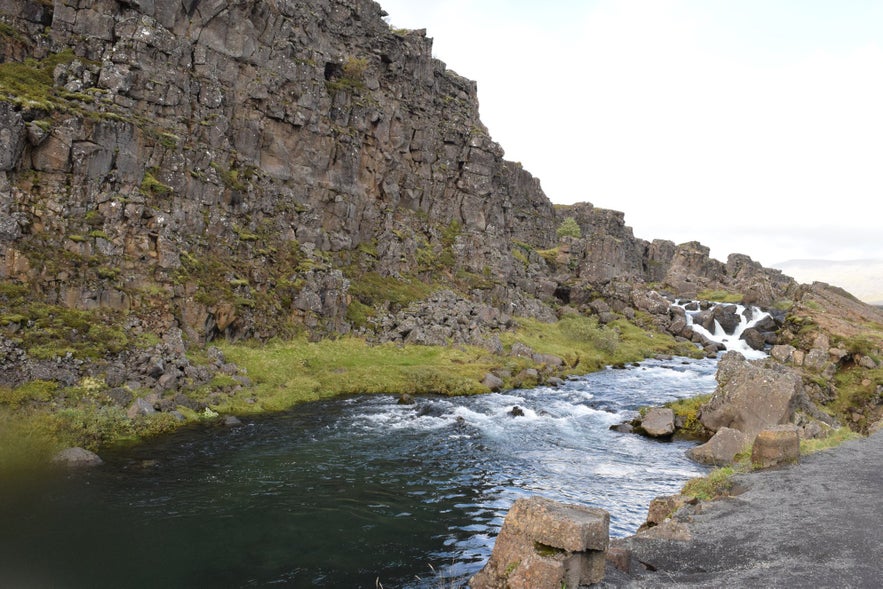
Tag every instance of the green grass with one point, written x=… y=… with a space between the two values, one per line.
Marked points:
x=47 y=331
x=586 y=346
x=856 y=394
x=30 y=84
x=370 y=288
x=688 y=410
x=718 y=483
x=291 y=372
x=834 y=439
x=720 y=296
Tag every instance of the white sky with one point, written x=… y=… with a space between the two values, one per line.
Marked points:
x=753 y=126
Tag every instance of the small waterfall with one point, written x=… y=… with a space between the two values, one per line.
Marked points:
x=747 y=317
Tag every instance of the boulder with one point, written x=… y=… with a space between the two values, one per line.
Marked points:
x=721 y=449
x=544 y=544
x=751 y=396
x=782 y=353
x=754 y=338
x=776 y=445
x=662 y=508
x=659 y=422
x=140 y=407
x=492 y=381
x=77 y=458
x=727 y=317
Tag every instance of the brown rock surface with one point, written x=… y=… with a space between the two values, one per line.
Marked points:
x=544 y=544
x=776 y=445
x=751 y=396
x=722 y=448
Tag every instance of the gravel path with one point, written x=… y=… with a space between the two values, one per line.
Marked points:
x=815 y=524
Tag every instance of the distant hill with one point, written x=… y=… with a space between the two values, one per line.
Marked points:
x=863 y=278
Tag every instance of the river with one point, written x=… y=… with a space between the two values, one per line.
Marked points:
x=346 y=493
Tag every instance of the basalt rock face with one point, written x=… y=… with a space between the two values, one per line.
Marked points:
x=226 y=152
x=251 y=169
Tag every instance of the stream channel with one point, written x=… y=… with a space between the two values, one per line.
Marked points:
x=353 y=492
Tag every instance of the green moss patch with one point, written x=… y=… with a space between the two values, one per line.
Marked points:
x=687 y=411
x=720 y=296
x=286 y=373
x=30 y=84
x=48 y=331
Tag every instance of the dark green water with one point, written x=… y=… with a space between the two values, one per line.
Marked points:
x=343 y=493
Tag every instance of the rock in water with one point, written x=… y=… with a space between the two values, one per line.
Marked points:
x=659 y=422
x=547 y=545
x=77 y=458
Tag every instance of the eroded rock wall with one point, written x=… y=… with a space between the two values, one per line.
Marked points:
x=238 y=168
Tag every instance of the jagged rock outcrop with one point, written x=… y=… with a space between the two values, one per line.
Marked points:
x=445 y=318
x=248 y=162
x=271 y=137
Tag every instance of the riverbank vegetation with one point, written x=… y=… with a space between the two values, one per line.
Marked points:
x=719 y=482
x=40 y=417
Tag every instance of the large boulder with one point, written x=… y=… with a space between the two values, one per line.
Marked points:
x=721 y=449
x=547 y=545
x=751 y=396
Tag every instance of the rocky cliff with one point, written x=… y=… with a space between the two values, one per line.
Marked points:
x=254 y=169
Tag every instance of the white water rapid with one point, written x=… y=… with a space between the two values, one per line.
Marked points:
x=748 y=317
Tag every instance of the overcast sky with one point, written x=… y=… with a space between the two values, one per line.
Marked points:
x=753 y=126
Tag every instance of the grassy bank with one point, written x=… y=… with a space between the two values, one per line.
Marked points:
x=719 y=482
x=40 y=417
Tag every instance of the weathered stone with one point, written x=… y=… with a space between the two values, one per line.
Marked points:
x=662 y=508
x=751 y=397
x=623 y=428
x=782 y=353
x=549 y=360
x=754 y=338
x=492 y=381
x=140 y=407
x=867 y=362
x=668 y=530
x=12 y=136
x=776 y=445
x=722 y=448
x=659 y=422
x=76 y=458
x=544 y=544
x=816 y=359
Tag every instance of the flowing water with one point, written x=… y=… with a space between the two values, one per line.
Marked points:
x=346 y=492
